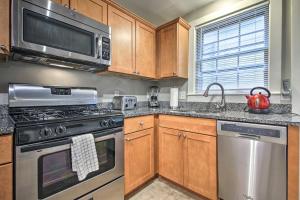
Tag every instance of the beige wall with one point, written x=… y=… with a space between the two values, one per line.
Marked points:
x=295 y=54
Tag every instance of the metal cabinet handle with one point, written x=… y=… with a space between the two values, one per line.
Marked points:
x=137 y=72
x=127 y=139
x=179 y=135
x=184 y=136
x=141 y=123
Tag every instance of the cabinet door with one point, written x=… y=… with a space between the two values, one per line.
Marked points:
x=65 y=3
x=95 y=9
x=4 y=22
x=168 y=51
x=145 y=50
x=171 y=155
x=200 y=164
x=6 y=182
x=123 y=41
x=139 y=158
x=183 y=52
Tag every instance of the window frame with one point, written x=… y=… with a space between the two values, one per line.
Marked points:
x=274 y=50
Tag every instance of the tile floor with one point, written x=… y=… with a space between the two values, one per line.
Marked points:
x=161 y=190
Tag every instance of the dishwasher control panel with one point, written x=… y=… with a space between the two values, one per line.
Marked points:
x=269 y=133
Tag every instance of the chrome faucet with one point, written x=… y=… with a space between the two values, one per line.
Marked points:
x=222 y=105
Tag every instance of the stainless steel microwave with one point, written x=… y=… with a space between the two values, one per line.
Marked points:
x=49 y=33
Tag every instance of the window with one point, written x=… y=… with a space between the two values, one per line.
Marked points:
x=234 y=51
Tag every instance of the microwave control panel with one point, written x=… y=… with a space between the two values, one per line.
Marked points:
x=105 y=48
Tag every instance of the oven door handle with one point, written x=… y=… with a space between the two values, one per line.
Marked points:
x=46 y=145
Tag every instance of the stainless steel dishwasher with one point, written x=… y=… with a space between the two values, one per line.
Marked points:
x=252 y=161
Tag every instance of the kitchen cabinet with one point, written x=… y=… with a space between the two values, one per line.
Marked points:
x=139 y=151
x=95 y=9
x=123 y=41
x=4 y=22
x=6 y=192
x=145 y=50
x=173 y=44
x=138 y=123
x=171 y=155
x=5 y=149
x=65 y=3
x=200 y=164
x=293 y=163
x=189 y=158
x=139 y=158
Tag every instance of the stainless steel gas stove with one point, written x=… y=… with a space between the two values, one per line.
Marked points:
x=45 y=120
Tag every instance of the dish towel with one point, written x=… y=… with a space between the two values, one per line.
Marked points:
x=84 y=155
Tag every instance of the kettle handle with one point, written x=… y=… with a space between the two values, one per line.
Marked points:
x=261 y=88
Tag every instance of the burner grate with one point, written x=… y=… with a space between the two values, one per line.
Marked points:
x=43 y=114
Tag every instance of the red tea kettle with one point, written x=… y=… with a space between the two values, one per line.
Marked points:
x=259 y=103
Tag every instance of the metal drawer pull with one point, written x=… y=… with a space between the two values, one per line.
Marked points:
x=141 y=123
x=184 y=136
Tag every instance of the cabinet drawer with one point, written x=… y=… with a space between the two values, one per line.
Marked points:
x=190 y=124
x=5 y=149
x=6 y=182
x=138 y=123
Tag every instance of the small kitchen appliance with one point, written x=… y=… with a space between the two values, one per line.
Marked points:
x=49 y=33
x=46 y=118
x=153 y=97
x=259 y=103
x=124 y=102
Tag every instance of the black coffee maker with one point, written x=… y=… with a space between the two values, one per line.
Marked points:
x=153 y=97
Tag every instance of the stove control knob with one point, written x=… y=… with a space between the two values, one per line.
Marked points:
x=45 y=132
x=104 y=123
x=60 y=130
x=111 y=122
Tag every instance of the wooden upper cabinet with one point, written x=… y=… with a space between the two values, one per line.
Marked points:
x=173 y=40
x=95 y=9
x=139 y=158
x=171 y=155
x=200 y=168
x=4 y=22
x=123 y=41
x=65 y=3
x=145 y=50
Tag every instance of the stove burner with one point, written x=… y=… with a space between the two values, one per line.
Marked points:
x=44 y=114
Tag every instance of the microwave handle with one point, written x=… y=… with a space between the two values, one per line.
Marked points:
x=98 y=46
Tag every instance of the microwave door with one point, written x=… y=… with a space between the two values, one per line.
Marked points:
x=43 y=31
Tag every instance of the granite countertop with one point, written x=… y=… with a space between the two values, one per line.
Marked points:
x=272 y=118
x=6 y=125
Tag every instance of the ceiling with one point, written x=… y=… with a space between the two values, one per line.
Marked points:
x=162 y=11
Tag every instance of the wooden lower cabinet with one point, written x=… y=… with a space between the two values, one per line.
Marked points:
x=200 y=164
x=6 y=182
x=139 y=158
x=170 y=155
x=189 y=159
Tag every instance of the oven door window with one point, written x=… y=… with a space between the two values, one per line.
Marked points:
x=55 y=170
x=43 y=30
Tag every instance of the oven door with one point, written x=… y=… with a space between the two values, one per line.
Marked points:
x=50 y=29
x=44 y=171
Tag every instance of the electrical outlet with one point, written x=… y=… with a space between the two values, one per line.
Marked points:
x=117 y=92
x=182 y=95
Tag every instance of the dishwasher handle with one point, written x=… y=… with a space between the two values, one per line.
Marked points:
x=249 y=136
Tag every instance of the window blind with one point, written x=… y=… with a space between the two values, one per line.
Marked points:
x=234 y=51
